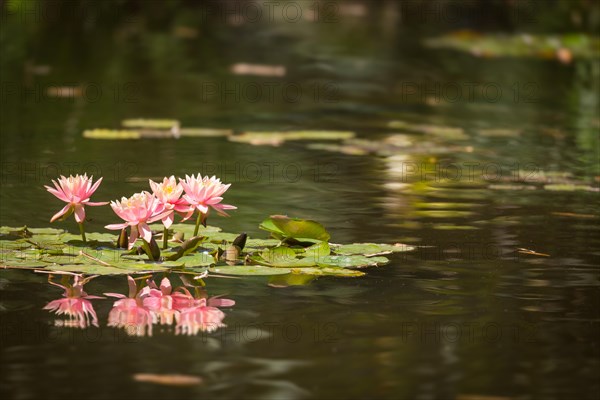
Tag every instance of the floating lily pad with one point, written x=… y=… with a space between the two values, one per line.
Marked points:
x=257 y=270
x=55 y=250
x=371 y=249
x=570 y=188
x=561 y=47
x=355 y=261
x=205 y=132
x=446 y=132
x=329 y=271
x=111 y=134
x=279 y=255
x=317 y=250
x=300 y=229
x=277 y=138
x=150 y=123
x=198 y=260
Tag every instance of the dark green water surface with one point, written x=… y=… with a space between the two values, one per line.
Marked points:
x=467 y=315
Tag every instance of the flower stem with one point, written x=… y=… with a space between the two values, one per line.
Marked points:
x=165 y=238
x=82 y=231
x=147 y=249
x=197 y=223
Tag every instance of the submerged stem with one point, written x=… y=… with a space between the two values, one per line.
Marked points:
x=82 y=231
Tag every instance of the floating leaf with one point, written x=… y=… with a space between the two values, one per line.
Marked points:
x=355 y=261
x=277 y=138
x=111 y=134
x=205 y=132
x=300 y=229
x=329 y=271
x=150 y=123
x=278 y=255
x=198 y=260
x=371 y=249
x=257 y=270
x=318 y=250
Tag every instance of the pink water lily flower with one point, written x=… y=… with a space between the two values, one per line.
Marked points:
x=76 y=192
x=169 y=194
x=202 y=193
x=130 y=313
x=138 y=211
x=75 y=304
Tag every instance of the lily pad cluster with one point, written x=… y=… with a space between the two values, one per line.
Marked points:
x=296 y=247
x=564 y=48
x=153 y=129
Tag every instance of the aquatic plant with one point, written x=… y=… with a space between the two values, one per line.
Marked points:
x=76 y=192
x=138 y=211
x=168 y=193
x=202 y=193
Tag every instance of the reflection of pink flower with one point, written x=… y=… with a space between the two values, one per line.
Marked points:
x=160 y=302
x=129 y=312
x=169 y=194
x=200 y=315
x=204 y=192
x=76 y=192
x=138 y=211
x=75 y=305
x=200 y=318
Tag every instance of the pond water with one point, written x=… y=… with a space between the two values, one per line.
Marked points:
x=502 y=299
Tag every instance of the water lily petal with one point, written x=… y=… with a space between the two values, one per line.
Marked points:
x=66 y=210
x=79 y=213
x=145 y=232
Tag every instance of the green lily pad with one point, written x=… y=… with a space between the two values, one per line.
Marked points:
x=300 y=229
x=110 y=134
x=198 y=260
x=355 y=261
x=91 y=269
x=278 y=255
x=371 y=249
x=256 y=244
x=205 y=132
x=150 y=123
x=329 y=271
x=318 y=250
x=249 y=270
x=277 y=138
x=561 y=47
